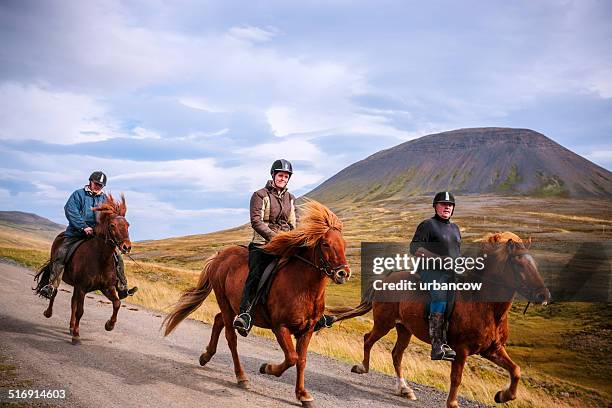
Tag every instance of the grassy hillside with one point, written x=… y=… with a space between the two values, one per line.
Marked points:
x=562 y=349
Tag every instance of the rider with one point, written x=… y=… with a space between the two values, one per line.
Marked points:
x=272 y=211
x=81 y=223
x=438 y=237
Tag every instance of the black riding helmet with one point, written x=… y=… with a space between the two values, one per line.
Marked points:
x=444 y=197
x=281 y=165
x=98 y=177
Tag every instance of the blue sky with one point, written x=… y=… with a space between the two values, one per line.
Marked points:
x=185 y=104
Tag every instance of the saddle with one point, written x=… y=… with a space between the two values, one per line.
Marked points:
x=72 y=243
x=265 y=283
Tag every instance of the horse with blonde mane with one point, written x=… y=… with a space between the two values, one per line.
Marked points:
x=476 y=326
x=310 y=256
x=92 y=266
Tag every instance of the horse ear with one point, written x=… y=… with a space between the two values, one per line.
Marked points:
x=511 y=245
x=123 y=205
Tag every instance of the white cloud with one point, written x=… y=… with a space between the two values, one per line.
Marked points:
x=253 y=34
x=34 y=112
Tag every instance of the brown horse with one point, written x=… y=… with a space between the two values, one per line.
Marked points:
x=475 y=327
x=92 y=266
x=309 y=256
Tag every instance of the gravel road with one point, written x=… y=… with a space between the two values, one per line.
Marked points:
x=134 y=366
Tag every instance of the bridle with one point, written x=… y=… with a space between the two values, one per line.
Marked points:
x=324 y=265
x=109 y=238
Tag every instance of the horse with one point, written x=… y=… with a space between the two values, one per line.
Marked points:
x=309 y=256
x=475 y=327
x=92 y=266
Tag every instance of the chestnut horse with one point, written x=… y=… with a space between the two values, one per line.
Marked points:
x=310 y=255
x=92 y=266
x=476 y=327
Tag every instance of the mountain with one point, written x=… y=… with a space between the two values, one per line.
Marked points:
x=26 y=230
x=469 y=161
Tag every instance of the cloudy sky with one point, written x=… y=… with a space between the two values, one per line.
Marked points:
x=185 y=104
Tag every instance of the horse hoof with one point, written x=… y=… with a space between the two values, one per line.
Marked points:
x=262 y=368
x=498 y=397
x=47 y=313
x=359 y=369
x=76 y=340
x=408 y=394
x=309 y=404
x=244 y=384
x=204 y=358
x=109 y=326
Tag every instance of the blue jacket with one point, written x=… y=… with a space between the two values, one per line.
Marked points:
x=79 y=211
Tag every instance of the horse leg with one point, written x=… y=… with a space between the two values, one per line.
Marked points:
x=302 y=352
x=456 y=375
x=111 y=294
x=283 y=336
x=500 y=357
x=369 y=339
x=403 y=339
x=211 y=349
x=80 y=299
x=232 y=341
x=73 y=308
x=49 y=312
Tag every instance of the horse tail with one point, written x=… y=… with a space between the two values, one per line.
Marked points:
x=190 y=300
x=42 y=277
x=343 y=313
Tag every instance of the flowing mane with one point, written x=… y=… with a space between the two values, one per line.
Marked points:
x=494 y=244
x=315 y=221
x=110 y=208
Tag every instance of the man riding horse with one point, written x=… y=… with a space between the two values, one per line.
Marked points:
x=81 y=224
x=272 y=210
x=437 y=237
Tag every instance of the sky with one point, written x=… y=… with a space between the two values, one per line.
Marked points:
x=185 y=104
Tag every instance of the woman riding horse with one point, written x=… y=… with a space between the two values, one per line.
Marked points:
x=272 y=211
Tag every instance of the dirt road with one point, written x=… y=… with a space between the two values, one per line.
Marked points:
x=134 y=366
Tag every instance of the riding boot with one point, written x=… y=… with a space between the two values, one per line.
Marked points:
x=243 y=322
x=439 y=349
x=324 y=322
x=55 y=277
x=122 y=286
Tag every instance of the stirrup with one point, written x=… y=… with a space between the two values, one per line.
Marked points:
x=324 y=322
x=242 y=324
x=47 y=291
x=444 y=353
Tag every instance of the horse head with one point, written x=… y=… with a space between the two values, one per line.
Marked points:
x=320 y=235
x=112 y=225
x=332 y=259
x=519 y=271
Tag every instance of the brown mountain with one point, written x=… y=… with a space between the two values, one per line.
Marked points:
x=15 y=226
x=481 y=160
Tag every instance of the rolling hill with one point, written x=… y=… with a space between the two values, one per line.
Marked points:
x=470 y=161
x=19 y=229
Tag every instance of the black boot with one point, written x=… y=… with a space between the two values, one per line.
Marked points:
x=439 y=350
x=243 y=322
x=324 y=322
x=122 y=287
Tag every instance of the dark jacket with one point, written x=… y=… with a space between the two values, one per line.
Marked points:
x=439 y=236
x=79 y=211
x=271 y=212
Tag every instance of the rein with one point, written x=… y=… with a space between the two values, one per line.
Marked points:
x=324 y=266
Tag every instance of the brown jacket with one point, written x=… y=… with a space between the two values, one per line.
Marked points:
x=271 y=212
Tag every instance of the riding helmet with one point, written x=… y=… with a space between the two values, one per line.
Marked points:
x=281 y=165
x=444 y=197
x=98 y=177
